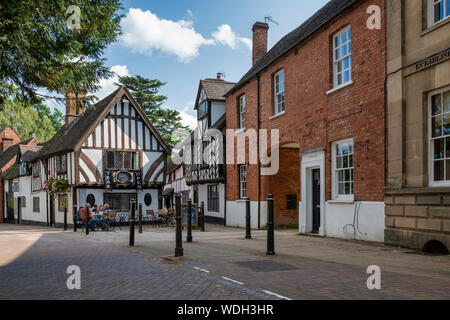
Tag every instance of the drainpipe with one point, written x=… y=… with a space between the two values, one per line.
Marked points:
x=257 y=142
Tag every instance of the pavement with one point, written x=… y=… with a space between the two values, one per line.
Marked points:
x=220 y=265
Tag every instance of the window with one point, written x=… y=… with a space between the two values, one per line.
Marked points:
x=342 y=57
x=119 y=201
x=36 y=204
x=63 y=202
x=242 y=112
x=438 y=10
x=36 y=170
x=242 y=181
x=343 y=169
x=213 y=198
x=440 y=137
x=118 y=160
x=61 y=164
x=279 y=92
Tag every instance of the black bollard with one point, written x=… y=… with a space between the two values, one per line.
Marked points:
x=140 y=218
x=189 y=222
x=87 y=219
x=75 y=218
x=178 y=234
x=270 y=227
x=202 y=221
x=65 y=218
x=133 y=208
x=248 y=234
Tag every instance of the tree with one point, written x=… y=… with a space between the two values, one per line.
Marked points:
x=42 y=45
x=26 y=120
x=56 y=117
x=145 y=92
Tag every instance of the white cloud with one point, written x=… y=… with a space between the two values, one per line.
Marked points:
x=144 y=32
x=188 y=120
x=107 y=85
x=226 y=36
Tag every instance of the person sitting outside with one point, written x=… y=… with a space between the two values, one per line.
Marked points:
x=93 y=222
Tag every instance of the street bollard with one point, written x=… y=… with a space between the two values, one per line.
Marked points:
x=133 y=208
x=178 y=235
x=65 y=219
x=189 y=222
x=248 y=234
x=202 y=221
x=87 y=218
x=75 y=218
x=140 y=218
x=270 y=227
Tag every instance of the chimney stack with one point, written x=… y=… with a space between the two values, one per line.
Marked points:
x=219 y=76
x=260 y=31
x=74 y=106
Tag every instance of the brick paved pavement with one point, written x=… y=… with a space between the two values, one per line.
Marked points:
x=111 y=270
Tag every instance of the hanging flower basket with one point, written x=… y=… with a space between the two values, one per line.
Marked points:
x=55 y=186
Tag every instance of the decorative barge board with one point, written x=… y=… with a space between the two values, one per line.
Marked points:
x=109 y=154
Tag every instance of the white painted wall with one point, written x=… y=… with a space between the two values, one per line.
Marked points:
x=236 y=214
x=203 y=196
x=27 y=211
x=371 y=220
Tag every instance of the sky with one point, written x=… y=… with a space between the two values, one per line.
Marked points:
x=181 y=42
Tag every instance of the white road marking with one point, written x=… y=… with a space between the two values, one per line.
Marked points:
x=202 y=270
x=276 y=295
x=235 y=281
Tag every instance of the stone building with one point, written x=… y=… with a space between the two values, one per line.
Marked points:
x=418 y=123
x=323 y=87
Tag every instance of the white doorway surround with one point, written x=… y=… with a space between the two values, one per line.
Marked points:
x=312 y=160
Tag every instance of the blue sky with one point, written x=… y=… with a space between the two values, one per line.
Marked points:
x=181 y=42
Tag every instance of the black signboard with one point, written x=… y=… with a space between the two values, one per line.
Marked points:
x=138 y=180
x=194 y=215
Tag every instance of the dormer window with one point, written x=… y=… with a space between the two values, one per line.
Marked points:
x=23 y=168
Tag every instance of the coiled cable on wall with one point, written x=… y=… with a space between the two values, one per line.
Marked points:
x=350 y=230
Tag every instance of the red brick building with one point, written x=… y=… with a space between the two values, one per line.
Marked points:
x=323 y=87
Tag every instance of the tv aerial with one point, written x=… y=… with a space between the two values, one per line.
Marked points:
x=268 y=19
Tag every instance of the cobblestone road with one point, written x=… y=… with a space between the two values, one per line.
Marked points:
x=33 y=263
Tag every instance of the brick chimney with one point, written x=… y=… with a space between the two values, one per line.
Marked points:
x=260 y=30
x=74 y=106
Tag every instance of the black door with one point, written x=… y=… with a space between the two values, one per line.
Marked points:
x=10 y=207
x=19 y=210
x=316 y=200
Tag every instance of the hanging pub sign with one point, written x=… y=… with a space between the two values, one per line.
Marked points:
x=138 y=180
x=108 y=181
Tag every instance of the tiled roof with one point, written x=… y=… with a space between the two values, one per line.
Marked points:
x=10 y=153
x=215 y=89
x=327 y=13
x=70 y=134
x=12 y=173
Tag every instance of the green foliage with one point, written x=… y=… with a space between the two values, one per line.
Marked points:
x=39 y=49
x=27 y=120
x=166 y=121
x=55 y=186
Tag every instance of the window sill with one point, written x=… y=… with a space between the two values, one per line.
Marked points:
x=277 y=115
x=240 y=131
x=340 y=87
x=435 y=26
x=341 y=201
x=241 y=200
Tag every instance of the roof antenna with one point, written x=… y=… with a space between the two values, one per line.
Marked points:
x=268 y=19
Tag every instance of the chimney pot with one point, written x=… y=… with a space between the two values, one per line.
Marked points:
x=260 y=31
x=219 y=76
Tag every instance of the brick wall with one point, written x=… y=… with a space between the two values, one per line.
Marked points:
x=314 y=119
x=8 y=137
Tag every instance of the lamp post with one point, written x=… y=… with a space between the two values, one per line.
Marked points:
x=178 y=232
x=65 y=218
x=270 y=227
